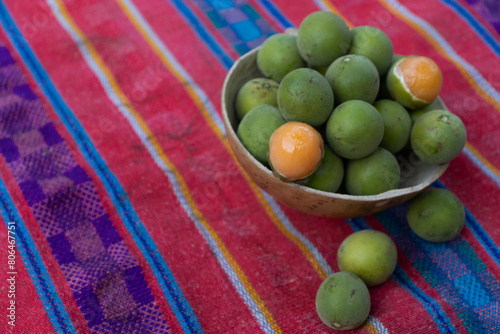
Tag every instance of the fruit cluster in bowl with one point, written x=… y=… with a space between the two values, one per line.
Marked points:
x=346 y=127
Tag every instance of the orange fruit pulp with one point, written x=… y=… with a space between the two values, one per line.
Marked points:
x=422 y=77
x=295 y=150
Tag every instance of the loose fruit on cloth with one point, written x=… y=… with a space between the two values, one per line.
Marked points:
x=343 y=301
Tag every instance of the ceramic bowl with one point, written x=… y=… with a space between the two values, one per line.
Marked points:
x=415 y=175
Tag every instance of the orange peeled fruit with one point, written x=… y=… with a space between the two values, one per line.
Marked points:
x=295 y=150
x=414 y=81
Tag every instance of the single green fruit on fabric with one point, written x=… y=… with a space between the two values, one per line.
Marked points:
x=397 y=125
x=343 y=301
x=370 y=254
x=353 y=77
x=330 y=173
x=438 y=136
x=256 y=128
x=374 y=44
x=436 y=215
x=304 y=95
x=377 y=173
x=278 y=56
x=354 y=129
x=256 y=92
x=323 y=37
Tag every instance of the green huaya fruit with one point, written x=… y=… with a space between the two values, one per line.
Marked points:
x=304 y=95
x=397 y=125
x=278 y=56
x=370 y=254
x=353 y=77
x=321 y=69
x=256 y=128
x=383 y=92
x=398 y=91
x=374 y=44
x=354 y=129
x=435 y=105
x=436 y=215
x=377 y=173
x=256 y=92
x=323 y=37
x=438 y=136
x=329 y=175
x=343 y=301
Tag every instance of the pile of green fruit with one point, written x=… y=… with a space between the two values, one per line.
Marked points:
x=365 y=103
x=331 y=110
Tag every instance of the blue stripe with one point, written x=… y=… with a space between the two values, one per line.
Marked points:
x=118 y=196
x=478 y=231
x=477 y=26
x=448 y=279
x=202 y=32
x=245 y=31
x=436 y=312
x=31 y=258
x=444 y=323
x=275 y=12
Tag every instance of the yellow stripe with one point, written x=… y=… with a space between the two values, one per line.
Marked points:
x=482 y=159
x=194 y=96
x=443 y=53
x=333 y=9
x=123 y=99
x=370 y=328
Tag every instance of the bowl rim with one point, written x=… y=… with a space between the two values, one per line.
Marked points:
x=385 y=196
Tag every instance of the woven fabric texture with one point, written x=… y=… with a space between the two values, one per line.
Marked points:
x=123 y=209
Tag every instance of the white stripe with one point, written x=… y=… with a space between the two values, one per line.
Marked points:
x=492 y=175
x=161 y=46
x=377 y=325
x=240 y=288
x=218 y=121
x=321 y=5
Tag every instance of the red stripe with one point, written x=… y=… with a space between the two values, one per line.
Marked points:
x=188 y=141
x=153 y=200
x=479 y=116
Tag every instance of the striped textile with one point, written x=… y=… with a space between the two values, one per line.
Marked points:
x=131 y=214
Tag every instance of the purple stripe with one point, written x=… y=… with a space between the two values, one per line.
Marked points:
x=89 y=250
x=489 y=10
